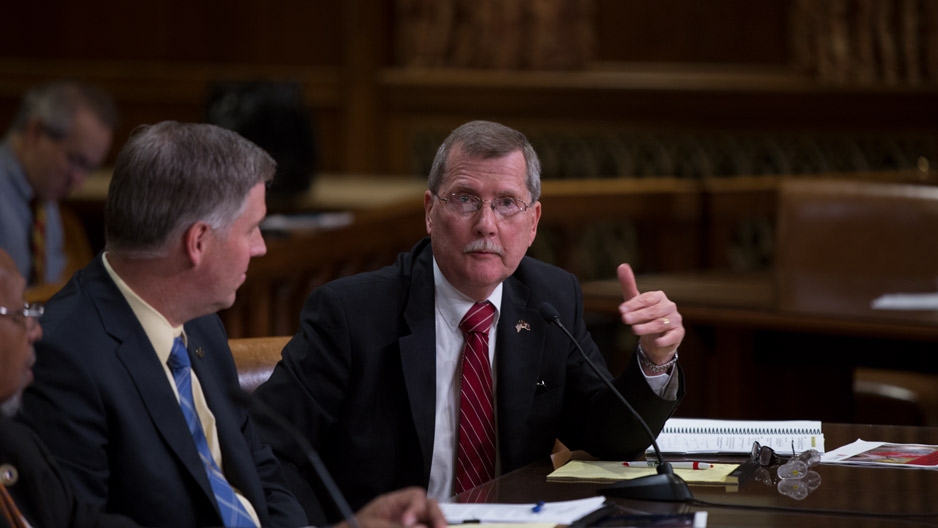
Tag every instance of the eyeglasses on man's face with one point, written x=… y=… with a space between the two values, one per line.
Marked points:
x=29 y=310
x=467 y=204
x=76 y=160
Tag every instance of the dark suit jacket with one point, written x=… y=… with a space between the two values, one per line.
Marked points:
x=40 y=491
x=359 y=379
x=103 y=404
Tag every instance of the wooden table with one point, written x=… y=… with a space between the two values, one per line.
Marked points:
x=863 y=491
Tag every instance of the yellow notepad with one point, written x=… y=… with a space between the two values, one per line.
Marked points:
x=609 y=471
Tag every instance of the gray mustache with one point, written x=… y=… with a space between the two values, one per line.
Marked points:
x=483 y=245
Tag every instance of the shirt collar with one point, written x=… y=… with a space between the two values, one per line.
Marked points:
x=158 y=330
x=453 y=304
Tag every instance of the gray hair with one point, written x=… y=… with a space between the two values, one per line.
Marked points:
x=486 y=140
x=55 y=104
x=170 y=175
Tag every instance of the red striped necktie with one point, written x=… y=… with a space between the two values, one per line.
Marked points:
x=475 y=458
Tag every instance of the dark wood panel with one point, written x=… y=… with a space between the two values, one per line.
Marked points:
x=686 y=66
x=291 y=32
x=712 y=98
x=727 y=31
x=148 y=92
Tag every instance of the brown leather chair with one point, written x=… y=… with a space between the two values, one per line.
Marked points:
x=77 y=246
x=255 y=358
x=842 y=243
x=895 y=397
x=78 y=253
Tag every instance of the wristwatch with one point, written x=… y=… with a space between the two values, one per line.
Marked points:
x=652 y=367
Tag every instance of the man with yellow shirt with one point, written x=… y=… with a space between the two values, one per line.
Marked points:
x=133 y=376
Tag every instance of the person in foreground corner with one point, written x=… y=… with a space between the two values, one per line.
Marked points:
x=134 y=375
x=383 y=381
x=33 y=491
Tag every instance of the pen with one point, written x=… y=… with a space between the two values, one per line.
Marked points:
x=675 y=465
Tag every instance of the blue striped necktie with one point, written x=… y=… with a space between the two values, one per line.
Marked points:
x=231 y=510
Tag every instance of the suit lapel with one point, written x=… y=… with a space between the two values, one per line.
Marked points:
x=136 y=354
x=418 y=354
x=521 y=334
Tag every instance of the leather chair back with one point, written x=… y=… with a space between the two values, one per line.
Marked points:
x=841 y=244
x=255 y=358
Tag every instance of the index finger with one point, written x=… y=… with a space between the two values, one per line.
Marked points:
x=627 y=281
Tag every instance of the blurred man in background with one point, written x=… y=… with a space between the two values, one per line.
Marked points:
x=60 y=134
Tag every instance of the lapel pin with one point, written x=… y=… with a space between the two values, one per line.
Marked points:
x=8 y=475
x=199 y=353
x=522 y=325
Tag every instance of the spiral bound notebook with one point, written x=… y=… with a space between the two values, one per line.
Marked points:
x=695 y=435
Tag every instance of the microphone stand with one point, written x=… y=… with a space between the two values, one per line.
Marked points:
x=665 y=486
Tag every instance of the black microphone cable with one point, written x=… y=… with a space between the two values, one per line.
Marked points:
x=665 y=486
x=308 y=450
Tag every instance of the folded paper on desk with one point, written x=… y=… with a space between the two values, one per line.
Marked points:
x=564 y=512
x=694 y=435
x=906 y=301
x=861 y=452
x=604 y=471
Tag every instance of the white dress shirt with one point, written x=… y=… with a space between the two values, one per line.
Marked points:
x=451 y=306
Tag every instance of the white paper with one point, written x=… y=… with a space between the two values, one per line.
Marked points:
x=906 y=301
x=551 y=512
x=849 y=450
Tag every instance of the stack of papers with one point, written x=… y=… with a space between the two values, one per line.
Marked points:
x=697 y=435
x=549 y=513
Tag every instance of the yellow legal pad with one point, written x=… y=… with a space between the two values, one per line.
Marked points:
x=606 y=471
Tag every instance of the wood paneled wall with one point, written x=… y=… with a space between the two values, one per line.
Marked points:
x=681 y=65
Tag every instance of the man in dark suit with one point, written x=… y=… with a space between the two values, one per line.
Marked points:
x=375 y=377
x=32 y=489
x=136 y=429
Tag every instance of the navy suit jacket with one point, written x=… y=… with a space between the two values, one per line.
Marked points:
x=359 y=379
x=104 y=406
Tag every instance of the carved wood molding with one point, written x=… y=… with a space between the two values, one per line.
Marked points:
x=164 y=82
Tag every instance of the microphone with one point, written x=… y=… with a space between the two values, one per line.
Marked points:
x=665 y=486
x=311 y=455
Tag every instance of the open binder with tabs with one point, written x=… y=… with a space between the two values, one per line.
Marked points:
x=694 y=435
